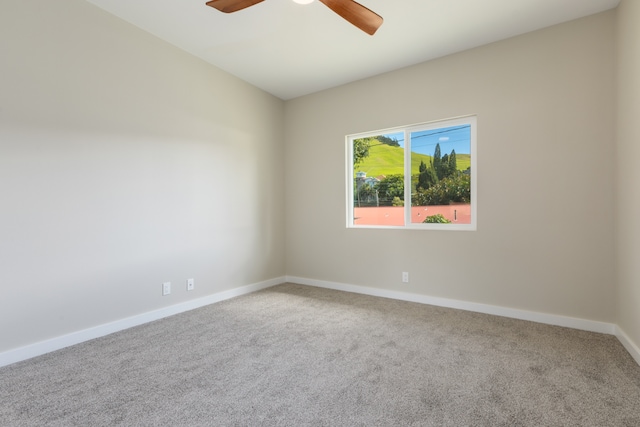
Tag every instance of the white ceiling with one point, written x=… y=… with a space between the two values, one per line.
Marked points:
x=291 y=50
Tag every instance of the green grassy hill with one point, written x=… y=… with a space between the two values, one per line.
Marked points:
x=387 y=160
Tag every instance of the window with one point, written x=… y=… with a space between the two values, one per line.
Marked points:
x=420 y=177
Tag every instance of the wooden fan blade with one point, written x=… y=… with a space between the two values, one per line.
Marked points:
x=228 y=6
x=360 y=16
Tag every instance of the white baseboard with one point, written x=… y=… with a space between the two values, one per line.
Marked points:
x=550 y=319
x=633 y=349
x=57 y=343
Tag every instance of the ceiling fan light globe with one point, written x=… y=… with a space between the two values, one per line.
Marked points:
x=303 y=1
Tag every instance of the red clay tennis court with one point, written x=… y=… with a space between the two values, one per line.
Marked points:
x=394 y=215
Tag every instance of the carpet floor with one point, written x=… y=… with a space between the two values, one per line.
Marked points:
x=295 y=355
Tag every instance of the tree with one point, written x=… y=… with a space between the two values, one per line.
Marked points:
x=366 y=196
x=453 y=163
x=388 y=141
x=360 y=149
x=426 y=177
x=422 y=175
x=390 y=187
x=436 y=162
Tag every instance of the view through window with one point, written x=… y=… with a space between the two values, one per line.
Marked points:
x=422 y=176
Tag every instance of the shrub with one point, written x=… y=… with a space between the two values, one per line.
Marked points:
x=453 y=189
x=436 y=219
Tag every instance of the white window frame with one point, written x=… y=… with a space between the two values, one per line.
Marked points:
x=457 y=121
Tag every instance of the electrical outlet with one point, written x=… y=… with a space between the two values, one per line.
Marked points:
x=166 y=288
x=405 y=277
x=191 y=283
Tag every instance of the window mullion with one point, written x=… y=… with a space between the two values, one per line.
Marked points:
x=407 y=178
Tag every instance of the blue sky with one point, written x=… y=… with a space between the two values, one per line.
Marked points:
x=450 y=138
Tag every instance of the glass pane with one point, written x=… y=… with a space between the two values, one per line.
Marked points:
x=441 y=175
x=378 y=180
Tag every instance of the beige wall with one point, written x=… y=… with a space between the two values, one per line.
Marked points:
x=628 y=173
x=124 y=163
x=544 y=242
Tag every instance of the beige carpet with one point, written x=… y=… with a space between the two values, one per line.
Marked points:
x=302 y=356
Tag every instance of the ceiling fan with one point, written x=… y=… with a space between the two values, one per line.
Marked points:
x=363 y=18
